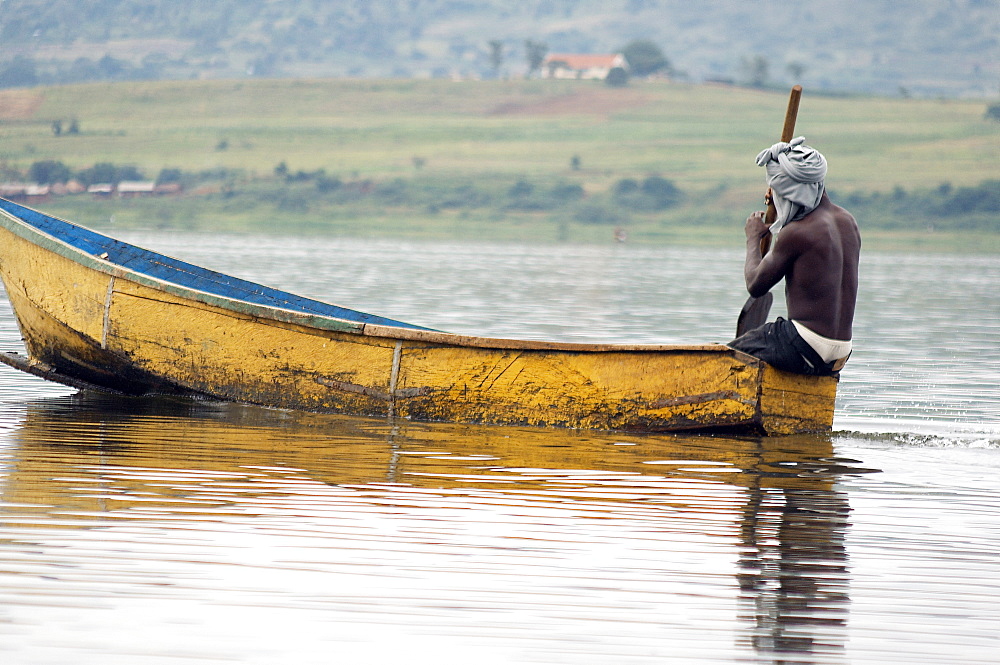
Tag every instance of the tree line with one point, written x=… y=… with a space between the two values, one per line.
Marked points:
x=26 y=72
x=290 y=190
x=53 y=172
x=944 y=207
x=293 y=189
x=973 y=207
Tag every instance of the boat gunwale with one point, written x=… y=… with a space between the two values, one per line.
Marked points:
x=36 y=236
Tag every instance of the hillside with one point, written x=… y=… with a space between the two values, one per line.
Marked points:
x=511 y=159
x=931 y=48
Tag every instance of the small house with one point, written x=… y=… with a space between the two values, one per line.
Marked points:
x=581 y=66
x=133 y=188
x=14 y=191
x=101 y=190
x=37 y=192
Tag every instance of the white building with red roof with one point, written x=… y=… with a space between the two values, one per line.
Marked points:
x=581 y=65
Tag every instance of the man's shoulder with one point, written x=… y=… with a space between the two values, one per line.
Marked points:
x=796 y=237
x=828 y=207
x=843 y=219
x=813 y=228
x=828 y=223
x=827 y=212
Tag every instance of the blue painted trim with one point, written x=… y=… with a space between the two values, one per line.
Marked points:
x=158 y=266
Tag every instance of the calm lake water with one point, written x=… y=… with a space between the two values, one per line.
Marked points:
x=177 y=531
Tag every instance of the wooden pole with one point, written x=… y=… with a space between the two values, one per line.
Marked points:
x=755 y=310
x=787 y=134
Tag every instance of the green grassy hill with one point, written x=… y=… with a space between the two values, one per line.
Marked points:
x=445 y=157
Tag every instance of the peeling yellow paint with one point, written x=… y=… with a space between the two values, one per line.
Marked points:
x=102 y=324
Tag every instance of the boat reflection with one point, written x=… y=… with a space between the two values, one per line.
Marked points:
x=79 y=461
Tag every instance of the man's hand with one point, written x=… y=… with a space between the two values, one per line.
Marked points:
x=755 y=227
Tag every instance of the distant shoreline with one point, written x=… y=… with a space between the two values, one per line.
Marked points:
x=523 y=229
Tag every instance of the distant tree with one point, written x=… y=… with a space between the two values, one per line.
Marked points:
x=574 y=162
x=754 y=71
x=566 y=192
x=496 y=56
x=20 y=73
x=795 y=70
x=326 y=184
x=625 y=186
x=98 y=174
x=520 y=189
x=74 y=127
x=281 y=170
x=663 y=192
x=105 y=172
x=984 y=198
x=128 y=172
x=169 y=175
x=82 y=69
x=535 y=53
x=111 y=68
x=395 y=191
x=48 y=172
x=57 y=127
x=645 y=58
x=653 y=193
x=617 y=77
x=152 y=66
x=993 y=112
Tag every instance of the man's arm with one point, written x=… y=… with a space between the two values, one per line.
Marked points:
x=763 y=272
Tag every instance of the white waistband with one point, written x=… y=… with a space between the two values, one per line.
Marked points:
x=828 y=349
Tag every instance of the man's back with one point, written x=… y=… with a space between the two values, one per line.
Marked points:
x=821 y=277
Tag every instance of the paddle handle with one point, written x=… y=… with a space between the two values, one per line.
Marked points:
x=787 y=133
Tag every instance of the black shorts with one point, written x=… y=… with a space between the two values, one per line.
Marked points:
x=779 y=344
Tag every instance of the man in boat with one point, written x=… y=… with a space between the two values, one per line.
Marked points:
x=815 y=248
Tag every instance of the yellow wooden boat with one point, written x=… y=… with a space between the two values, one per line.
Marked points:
x=96 y=312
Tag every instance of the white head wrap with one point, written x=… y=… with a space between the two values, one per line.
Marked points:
x=795 y=174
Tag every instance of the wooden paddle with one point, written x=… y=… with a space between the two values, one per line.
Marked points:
x=755 y=310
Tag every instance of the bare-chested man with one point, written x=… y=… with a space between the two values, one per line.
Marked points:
x=815 y=249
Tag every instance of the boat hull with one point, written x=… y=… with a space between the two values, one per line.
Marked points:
x=95 y=322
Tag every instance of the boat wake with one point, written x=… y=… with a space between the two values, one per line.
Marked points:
x=922 y=433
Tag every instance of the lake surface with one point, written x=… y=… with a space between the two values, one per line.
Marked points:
x=163 y=530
